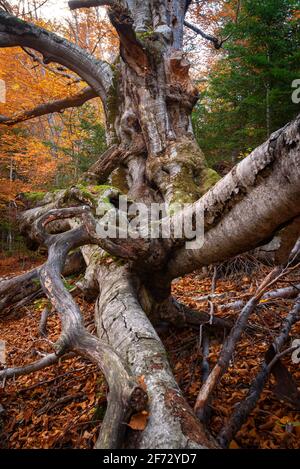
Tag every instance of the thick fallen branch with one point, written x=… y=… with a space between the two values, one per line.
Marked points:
x=51 y=107
x=274 y=354
x=238 y=216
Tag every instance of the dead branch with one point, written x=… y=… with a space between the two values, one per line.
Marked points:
x=59 y=70
x=125 y=396
x=273 y=355
x=51 y=107
x=230 y=343
x=103 y=167
x=44 y=362
x=216 y=42
x=74 y=4
x=43 y=322
x=16 y=32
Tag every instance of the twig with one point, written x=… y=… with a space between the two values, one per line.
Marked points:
x=43 y=322
x=230 y=343
x=242 y=411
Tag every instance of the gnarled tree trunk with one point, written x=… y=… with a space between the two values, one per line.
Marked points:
x=148 y=98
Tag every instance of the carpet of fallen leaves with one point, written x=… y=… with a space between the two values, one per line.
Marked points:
x=62 y=406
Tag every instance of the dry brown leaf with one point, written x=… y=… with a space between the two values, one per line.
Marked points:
x=139 y=421
x=233 y=445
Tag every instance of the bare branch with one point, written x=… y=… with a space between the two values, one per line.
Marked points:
x=48 y=108
x=48 y=360
x=289 y=292
x=62 y=71
x=74 y=4
x=216 y=42
x=230 y=343
x=273 y=355
x=103 y=167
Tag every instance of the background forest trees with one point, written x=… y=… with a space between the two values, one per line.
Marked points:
x=248 y=92
x=50 y=151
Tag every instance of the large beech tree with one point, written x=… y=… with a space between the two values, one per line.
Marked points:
x=148 y=97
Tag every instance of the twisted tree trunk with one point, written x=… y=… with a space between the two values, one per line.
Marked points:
x=148 y=98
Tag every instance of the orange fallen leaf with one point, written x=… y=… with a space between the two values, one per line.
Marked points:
x=233 y=445
x=139 y=421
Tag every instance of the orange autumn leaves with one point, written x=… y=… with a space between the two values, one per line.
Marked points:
x=26 y=162
x=33 y=153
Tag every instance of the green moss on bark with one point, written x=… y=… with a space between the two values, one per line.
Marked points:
x=210 y=178
x=34 y=197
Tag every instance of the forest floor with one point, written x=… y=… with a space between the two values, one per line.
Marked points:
x=62 y=406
